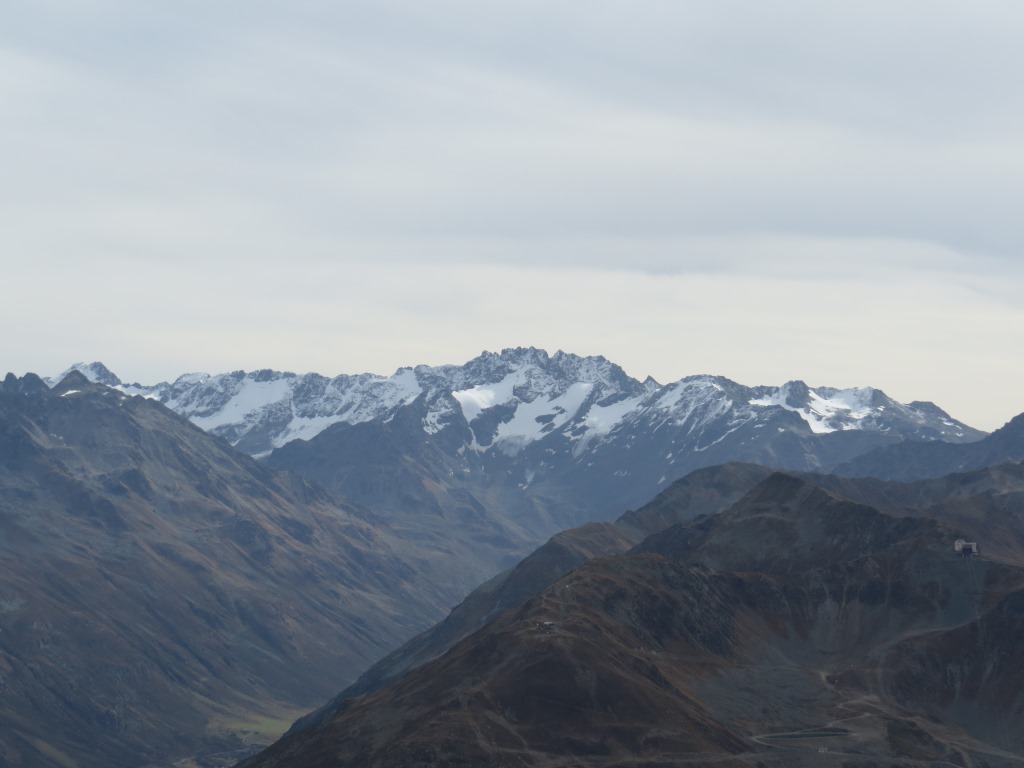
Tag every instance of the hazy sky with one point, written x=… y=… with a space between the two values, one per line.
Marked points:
x=762 y=190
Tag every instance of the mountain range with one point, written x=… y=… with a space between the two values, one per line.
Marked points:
x=525 y=400
x=482 y=462
x=242 y=590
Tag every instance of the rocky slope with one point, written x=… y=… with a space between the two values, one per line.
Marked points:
x=795 y=628
x=163 y=596
x=703 y=492
x=989 y=503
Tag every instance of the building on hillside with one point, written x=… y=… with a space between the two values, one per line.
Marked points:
x=965 y=548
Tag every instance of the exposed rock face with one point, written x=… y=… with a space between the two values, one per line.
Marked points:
x=160 y=592
x=792 y=622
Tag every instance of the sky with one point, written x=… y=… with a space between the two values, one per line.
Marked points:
x=766 y=191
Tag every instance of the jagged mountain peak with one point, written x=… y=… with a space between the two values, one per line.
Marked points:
x=74 y=381
x=795 y=392
x=198 y=377
x=524 y=354
x=30 y=383
x=95 y=372
x=512 y=399
x=558 y=365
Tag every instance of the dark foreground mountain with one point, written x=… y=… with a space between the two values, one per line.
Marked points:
x=989 y=500
x=703 y=492
x=162 y=595
x=796 y=628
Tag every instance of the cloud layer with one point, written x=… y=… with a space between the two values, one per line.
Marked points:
x=766 y=191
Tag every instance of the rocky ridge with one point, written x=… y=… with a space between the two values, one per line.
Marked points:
x=512 y=399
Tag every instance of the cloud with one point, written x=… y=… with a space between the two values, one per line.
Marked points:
x=420 y=129
x=915 y=336
x=372 y=184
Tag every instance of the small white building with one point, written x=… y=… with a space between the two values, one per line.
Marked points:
x=965 y=548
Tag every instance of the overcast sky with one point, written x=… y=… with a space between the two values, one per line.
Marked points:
x=762 y=190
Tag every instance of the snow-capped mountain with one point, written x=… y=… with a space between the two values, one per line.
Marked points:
x=519 y=398
x=549 y=440
x=262 y=410
x=477 y=464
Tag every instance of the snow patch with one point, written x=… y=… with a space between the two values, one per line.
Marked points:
x=131 y=390
x=529 y=422
x=838 y=409
x=484 y=396
x=602 y=419
x=303 y=428
x=251 y=396
x=405 y=385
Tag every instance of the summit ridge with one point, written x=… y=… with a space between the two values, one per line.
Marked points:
x=515 y=398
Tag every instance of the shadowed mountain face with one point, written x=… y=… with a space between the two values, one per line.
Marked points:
x=914 y=460
x=162 y=595
x=989 y=502
x=796 y=628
